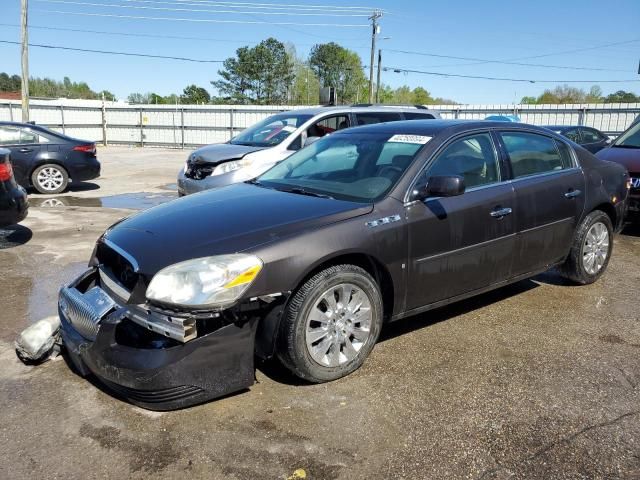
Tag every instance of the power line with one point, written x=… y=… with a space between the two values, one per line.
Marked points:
x=261 y=6
x=150 y=35
x=204 y=20
x=195 y=10
x=109 y=52
x=501 y=79
x=282 y=5
x=531 y=57
x=504 y=62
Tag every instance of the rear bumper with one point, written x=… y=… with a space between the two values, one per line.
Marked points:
x=163 y=378
x=14 y=204
x=86 y=170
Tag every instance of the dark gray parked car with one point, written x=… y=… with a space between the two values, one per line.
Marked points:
x=590 y=138
x=48 y=160
x=309 y=260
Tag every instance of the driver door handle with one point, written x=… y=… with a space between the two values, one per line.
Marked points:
x=572 y=194
x=26 y=150
x=501 y=212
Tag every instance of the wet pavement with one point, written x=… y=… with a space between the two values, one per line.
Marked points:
x=538 y=380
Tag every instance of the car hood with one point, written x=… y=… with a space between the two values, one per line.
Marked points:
x=226 y=220
x=221 y=152
x=628 y=157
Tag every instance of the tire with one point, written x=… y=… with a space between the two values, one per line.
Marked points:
x=50 y=179
x=351 y=330
x=594 y=235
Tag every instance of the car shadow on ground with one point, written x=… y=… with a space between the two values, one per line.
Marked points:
x=14 y=236
x=275 y=371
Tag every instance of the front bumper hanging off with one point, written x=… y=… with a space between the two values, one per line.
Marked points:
x=148 y=369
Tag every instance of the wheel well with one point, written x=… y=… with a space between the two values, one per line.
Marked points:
x=609 y=210
x=373 y=267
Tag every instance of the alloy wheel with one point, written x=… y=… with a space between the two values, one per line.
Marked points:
x=50 y=179
x=596 y=248
x=338 y=325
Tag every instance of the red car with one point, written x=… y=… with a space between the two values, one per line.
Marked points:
x=625 y=150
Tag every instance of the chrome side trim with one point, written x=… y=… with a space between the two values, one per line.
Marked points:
x=538 y=227
x=125 y=254
x=463 y=249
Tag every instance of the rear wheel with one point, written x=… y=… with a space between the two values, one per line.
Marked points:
x=50 y=178
x=591 y=249
x=331 y=324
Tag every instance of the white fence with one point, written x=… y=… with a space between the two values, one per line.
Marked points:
x=190 y=125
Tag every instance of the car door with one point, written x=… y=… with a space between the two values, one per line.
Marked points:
x=592 y=140
x=549 y=190
x=463 y=243
x=23 y=146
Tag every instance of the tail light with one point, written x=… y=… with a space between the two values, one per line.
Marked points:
x=89 y=148
x=6 y=172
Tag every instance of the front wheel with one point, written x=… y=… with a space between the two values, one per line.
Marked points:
x=331 y=324
x=50 y=178
x=591 y=249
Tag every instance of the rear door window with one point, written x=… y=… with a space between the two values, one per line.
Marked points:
x=591 y=136
x=418 y=116
x=9 y=136
x=27 y=137
x=532 y=154
x=368 y=118
x=573 y=135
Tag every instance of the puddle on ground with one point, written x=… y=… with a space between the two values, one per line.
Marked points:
x=135 y=201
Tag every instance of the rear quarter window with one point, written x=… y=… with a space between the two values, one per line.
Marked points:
x=418 y=116
x=532 y=154
x=377 y=117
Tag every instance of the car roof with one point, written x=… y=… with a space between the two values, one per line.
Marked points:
x=436 y=126
x=25 y=125
x=360 y=109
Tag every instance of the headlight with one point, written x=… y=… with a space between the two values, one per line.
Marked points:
x=205 y=282
x=227 y=167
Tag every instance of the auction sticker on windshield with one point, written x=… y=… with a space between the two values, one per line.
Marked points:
x=415 y=139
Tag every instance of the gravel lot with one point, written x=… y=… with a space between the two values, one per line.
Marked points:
x=536 y=380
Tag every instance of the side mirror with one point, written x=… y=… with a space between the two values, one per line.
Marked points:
x=311 y=140
x=440 y=186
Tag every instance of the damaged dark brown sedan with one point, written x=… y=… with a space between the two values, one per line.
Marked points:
x=308 y=261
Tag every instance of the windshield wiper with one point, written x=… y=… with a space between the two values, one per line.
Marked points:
x=302 y=191
x=626 y=146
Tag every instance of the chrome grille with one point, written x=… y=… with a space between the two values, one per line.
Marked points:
x=85 y=310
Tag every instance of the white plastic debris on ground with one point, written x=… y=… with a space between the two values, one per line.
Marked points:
x=40 y=341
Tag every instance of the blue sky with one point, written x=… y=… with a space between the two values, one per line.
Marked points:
x=490 y=29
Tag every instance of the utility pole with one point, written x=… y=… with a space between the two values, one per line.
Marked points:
x=375 y=29
x=378 y=78
x=25 y=62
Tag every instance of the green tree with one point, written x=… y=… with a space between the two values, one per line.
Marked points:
x=336 y=66
x=138 y=98
x=622 y=96
x=195 y=95
x=108 y=96
x=262 y=74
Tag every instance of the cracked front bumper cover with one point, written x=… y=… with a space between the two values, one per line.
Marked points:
x=163 y=377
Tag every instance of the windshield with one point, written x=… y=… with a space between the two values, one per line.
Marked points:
x=360 y=167
x=629 y=139
x=271 y=131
